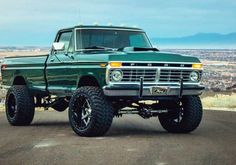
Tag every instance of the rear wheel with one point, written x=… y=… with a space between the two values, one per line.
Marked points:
x=185 y=119
x=19 y=106
x=90 y=114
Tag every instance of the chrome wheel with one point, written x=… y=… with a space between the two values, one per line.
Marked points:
x=82 y=113
x=86 y=113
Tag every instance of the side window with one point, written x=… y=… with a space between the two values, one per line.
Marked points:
x=65 y=37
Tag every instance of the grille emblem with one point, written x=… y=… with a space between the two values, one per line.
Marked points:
x=166 y=65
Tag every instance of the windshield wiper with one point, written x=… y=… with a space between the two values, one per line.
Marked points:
x=145 y=49
x=95 y=48
x=137 y=49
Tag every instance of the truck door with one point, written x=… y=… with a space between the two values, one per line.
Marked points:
x=58 y=71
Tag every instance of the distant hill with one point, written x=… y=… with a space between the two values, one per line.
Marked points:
x=199 y=40
x=22 y=48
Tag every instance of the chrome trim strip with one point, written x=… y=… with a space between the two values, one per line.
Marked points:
x=23 y=67
x=161 y=62
x=155 y=67
x=156 y=83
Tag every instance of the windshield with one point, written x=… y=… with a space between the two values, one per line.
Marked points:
x=109 y=38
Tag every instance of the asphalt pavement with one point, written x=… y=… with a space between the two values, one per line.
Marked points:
x=130 y=140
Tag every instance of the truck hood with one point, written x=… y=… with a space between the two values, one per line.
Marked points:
x=152 y=56
x=137 y=57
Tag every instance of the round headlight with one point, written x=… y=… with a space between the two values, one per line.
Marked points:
x=116 y=75
x=194 y=76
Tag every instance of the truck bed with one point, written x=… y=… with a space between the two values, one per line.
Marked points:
x=30 y=68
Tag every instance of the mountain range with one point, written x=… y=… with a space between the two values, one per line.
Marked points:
x=199 y=40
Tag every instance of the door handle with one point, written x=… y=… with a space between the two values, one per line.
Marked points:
x=52 y=59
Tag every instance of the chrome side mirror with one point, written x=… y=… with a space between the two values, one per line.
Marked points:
x=58 y=46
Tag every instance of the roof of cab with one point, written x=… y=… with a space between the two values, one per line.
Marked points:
x=103 y=27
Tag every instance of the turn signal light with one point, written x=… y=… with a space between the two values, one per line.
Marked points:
x=103 y=65
x=197 y=66
x=115 y=64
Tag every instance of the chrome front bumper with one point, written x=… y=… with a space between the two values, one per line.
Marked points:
x=134 y=90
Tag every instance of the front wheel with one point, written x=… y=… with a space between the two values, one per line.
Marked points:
x=184 y=119
x=90 y=114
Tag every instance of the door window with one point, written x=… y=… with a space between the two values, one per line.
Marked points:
x=65 y=38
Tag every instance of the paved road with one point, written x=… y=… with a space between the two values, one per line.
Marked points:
x=131 y=140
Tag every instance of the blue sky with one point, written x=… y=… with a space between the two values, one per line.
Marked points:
x=30 y=22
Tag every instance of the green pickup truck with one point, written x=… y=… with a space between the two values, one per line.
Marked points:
x=99 y=72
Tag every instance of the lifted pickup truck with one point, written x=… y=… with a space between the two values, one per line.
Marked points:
x=104 y=71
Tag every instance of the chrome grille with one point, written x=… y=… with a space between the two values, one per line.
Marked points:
x=134 y=75
x=173 y=75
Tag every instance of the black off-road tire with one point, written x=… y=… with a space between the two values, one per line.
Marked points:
x=101 y=112
x=191 y=116
x=19 y=106
x=60 y=105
